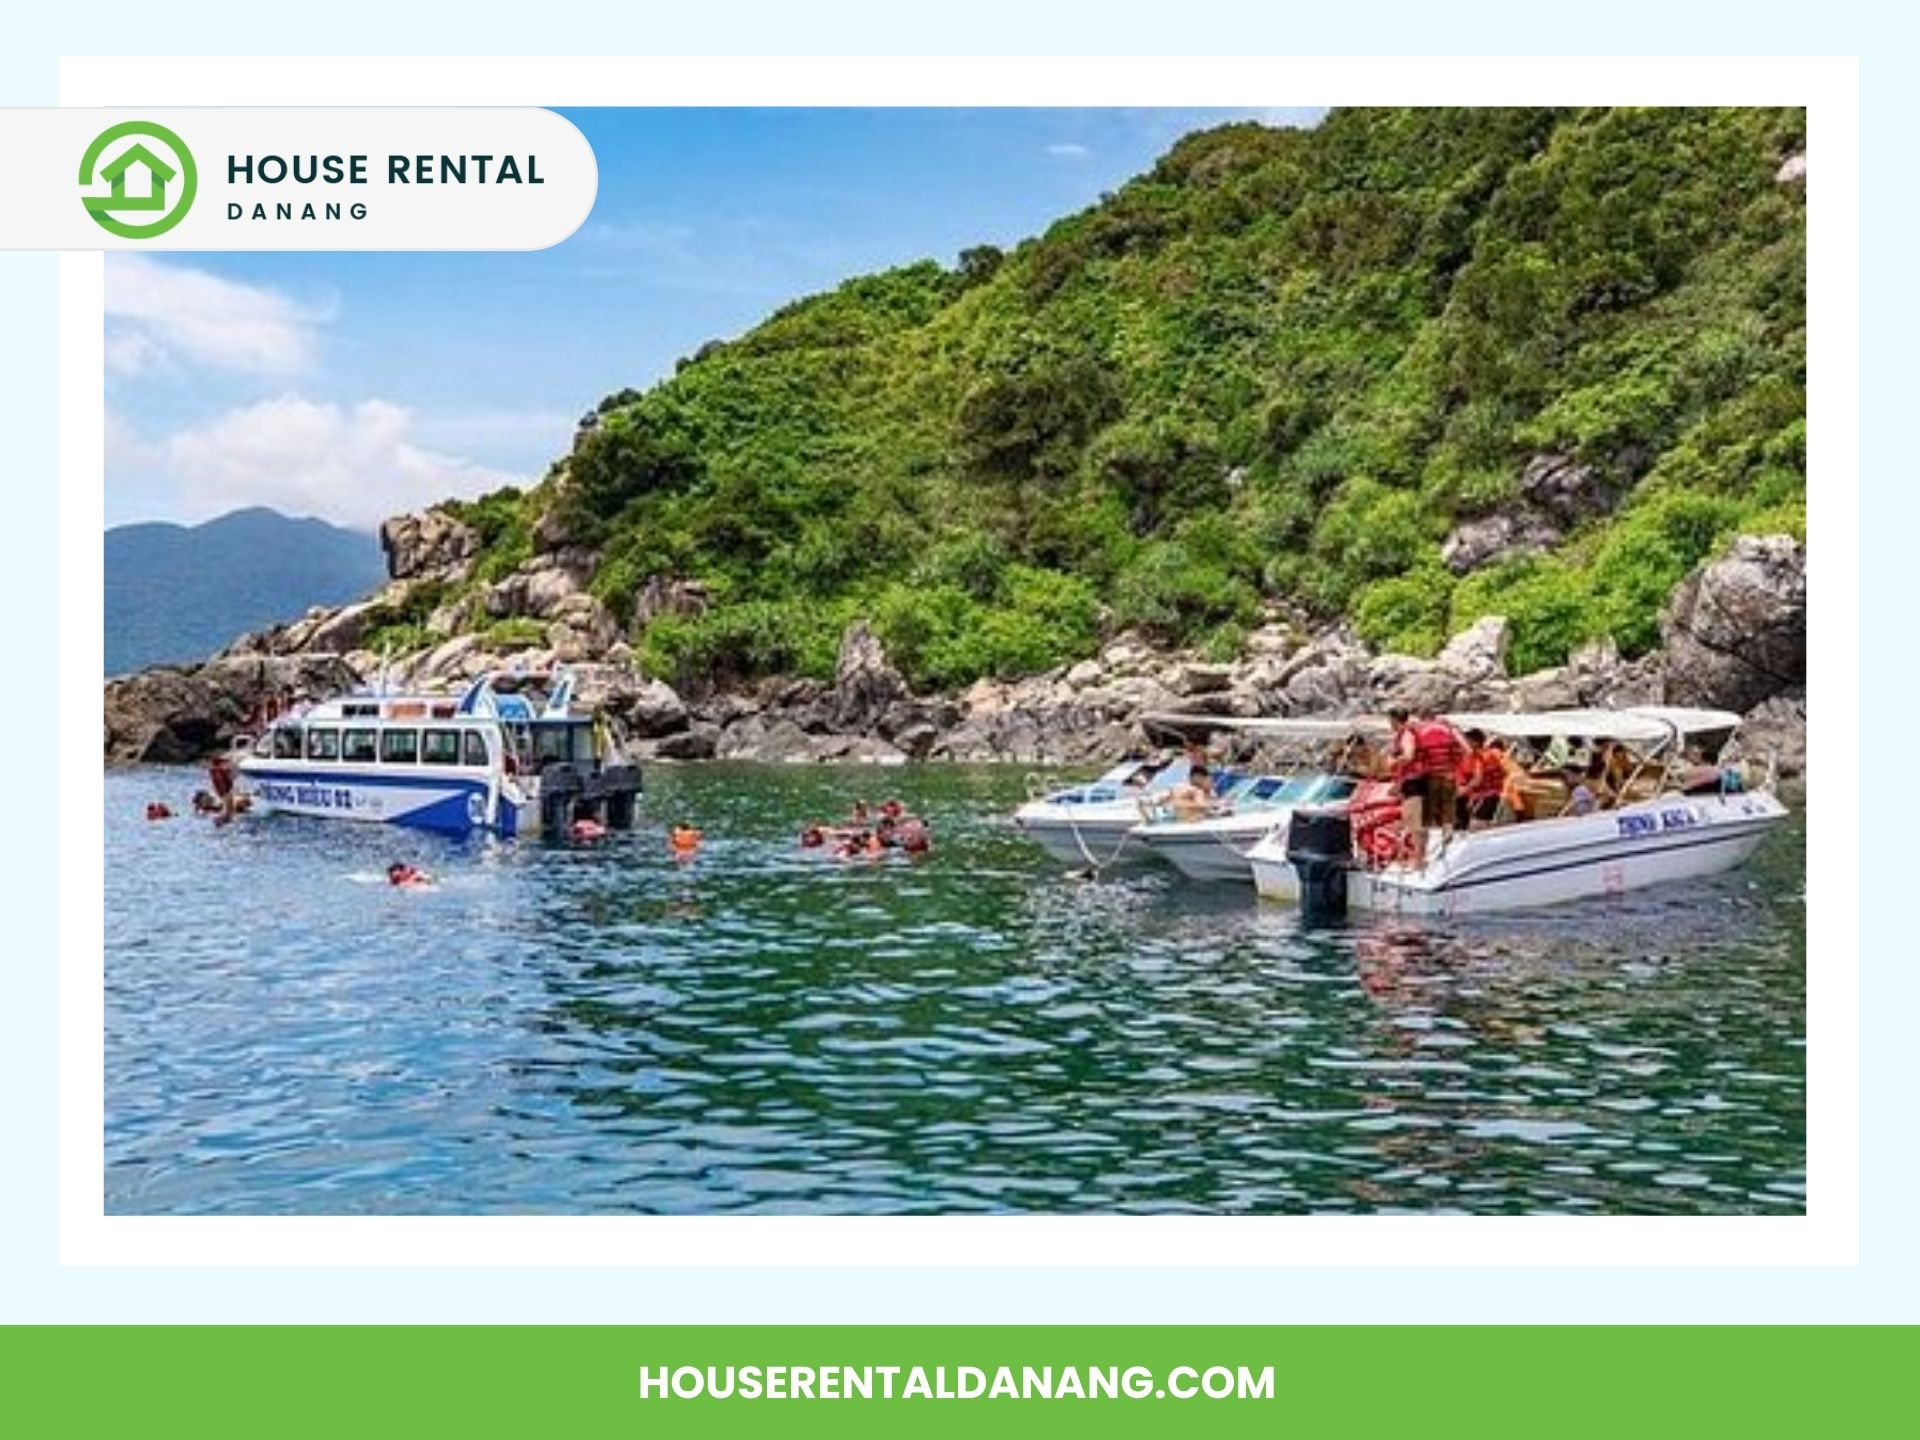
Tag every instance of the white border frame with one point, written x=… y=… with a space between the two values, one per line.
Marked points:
x=1828 y=1234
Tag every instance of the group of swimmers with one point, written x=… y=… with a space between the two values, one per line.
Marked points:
x=864 y=833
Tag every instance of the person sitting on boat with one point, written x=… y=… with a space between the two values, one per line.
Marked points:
x=1479 y=780
x=1581 y=799
x=1192 y=798
x=857 y=817
x=407 y=877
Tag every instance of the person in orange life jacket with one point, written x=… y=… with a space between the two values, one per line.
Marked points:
x=1479 y=779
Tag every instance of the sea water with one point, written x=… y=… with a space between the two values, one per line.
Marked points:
x=587 y=1028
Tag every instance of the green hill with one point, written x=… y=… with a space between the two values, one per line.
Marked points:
x=1281 y=365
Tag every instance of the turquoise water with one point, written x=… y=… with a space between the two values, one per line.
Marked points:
x=561 y=1028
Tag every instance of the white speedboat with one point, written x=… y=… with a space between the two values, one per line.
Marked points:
x=1673 y=820
x=1216 y=847
x=1091 y=826
x=511 y=755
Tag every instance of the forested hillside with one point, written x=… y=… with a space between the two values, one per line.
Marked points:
x=1407 y=367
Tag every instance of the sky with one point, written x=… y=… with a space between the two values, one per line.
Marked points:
x=353 y=387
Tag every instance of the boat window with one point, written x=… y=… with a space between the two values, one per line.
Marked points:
x=474 y=748
x=323 y=743
x=440 y=747
x=400 y=747
x=357 y=745
x=557 y=743
x=286 y=742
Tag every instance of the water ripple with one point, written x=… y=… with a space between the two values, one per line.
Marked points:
x=600 y=1029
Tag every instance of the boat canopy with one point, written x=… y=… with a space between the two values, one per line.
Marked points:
x=1648 y=724
x=1279 y=728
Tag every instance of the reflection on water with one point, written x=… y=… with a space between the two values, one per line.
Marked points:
x=599 y=1028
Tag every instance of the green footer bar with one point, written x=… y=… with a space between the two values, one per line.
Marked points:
x=957 y=1380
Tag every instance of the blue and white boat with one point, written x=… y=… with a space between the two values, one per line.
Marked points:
x=511 y=756
x=1091 y=825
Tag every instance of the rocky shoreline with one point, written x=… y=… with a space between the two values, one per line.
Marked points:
x=1734 y=637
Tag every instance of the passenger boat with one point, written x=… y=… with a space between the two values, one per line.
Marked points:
x=1216 y=846
x=510 y=756
x=1092 y=825
x=1673 y=819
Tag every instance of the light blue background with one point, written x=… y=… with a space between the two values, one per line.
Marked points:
x=1883 y=1287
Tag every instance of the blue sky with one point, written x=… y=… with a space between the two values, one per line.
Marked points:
x=352 y=386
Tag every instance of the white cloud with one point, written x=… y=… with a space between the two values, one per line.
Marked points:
x=1068 y=150
x=158 y=312
x=354 y=465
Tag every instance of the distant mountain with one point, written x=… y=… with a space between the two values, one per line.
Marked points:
x=178 y=593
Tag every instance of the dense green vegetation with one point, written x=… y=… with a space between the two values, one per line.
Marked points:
x=1281 y=364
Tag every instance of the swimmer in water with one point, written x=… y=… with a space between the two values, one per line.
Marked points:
x=587 y=828
x=158 y=810
x=812 y=838
x=683 y=840
x=403 y=876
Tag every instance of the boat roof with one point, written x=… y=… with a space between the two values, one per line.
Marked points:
x=1279 y=727
x=1641 y=722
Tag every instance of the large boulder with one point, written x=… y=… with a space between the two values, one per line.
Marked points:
x=542 y=586
x=1566 y=490
x=1736 y=629
x=1507 y=535
x=656 y=710
x=180 y=714
x=865 y=684
x=431 y=544
x=1478 y=652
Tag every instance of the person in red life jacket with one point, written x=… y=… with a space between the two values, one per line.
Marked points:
x=1478 y=779
x=403 y=876
x=1424 y=752
x=159 y=810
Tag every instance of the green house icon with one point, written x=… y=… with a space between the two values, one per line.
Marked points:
x=145 y=203
x=159 y=174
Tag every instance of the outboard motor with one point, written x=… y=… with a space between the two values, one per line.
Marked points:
x=1320 y=849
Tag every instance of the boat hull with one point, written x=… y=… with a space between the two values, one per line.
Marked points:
x=1087 y=842
x=1656 y=842
x=449 y=804
x=1274 y=877
x=1214 y=850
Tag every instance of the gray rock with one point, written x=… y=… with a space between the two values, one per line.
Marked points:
x=181 y=714
x=1507 y=535
x=865 y=685
x=431 y=544
x=1199 y=678
x=1792 y=171
x=1566 y=490
x=696 y=742
x=1736 y=629
x=656 y=710
x=1775 y=732
x=1478 y=652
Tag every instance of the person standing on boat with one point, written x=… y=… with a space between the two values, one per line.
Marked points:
x=1425 y=752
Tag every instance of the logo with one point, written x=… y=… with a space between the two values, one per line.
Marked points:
x=154 y=176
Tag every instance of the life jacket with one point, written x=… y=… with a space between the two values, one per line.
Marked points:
x=1436 y=748
x=1480 y=773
